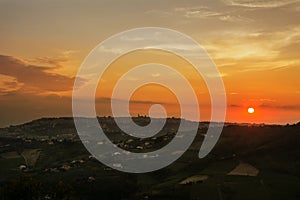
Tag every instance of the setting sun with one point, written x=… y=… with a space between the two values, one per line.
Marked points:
x=250 y=110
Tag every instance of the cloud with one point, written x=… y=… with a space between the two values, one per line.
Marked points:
x=269 y=106
x=203 y=12
x=233 y=18
x=196 y=12
x=233 y=93
x=108 y=100
x=259 y=3
x=260 y=50
x=155 y=75
x=283 y=107
x=34 y=78
x=54 y=62
x=234 y=106
x=8 y=85
x=45 y=61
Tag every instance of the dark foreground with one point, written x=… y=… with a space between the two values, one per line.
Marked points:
x=44 y=159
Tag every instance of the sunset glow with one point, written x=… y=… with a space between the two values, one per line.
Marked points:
x=255 y=47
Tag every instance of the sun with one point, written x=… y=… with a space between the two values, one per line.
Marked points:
x=250 y=110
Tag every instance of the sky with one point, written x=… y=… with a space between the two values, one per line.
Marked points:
x=254 y=44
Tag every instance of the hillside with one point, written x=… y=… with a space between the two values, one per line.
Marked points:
x=44 y=159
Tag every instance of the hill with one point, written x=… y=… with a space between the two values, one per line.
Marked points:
x=44 y=159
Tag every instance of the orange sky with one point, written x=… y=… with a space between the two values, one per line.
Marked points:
x=255 y=45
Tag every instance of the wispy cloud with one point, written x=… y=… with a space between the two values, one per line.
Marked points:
x=155 y=75
x=267 y=105
x=63 y=57
x=196 y=12
x=259 y=50
x=144 y=102
x=202 y=12
x=283 y=107
x=259 y=3
x=234 y=18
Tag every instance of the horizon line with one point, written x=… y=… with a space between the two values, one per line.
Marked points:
x=145 y=116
